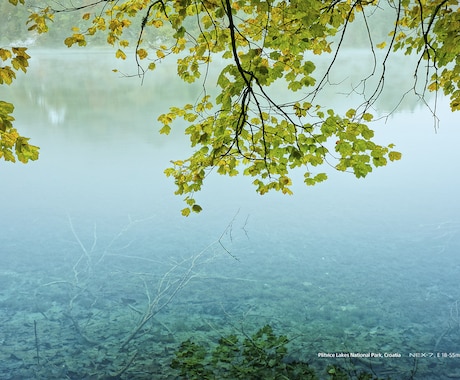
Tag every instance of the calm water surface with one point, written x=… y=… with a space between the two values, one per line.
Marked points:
x=92 y=236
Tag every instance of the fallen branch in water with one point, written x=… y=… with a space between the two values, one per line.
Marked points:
x=90 y=291
x=172 y=282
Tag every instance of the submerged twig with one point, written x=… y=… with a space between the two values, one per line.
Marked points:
x=79 y=331
x=125 y=368
x=36 y=342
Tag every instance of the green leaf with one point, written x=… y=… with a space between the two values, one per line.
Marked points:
x=350 y=113
x=394 y=156
x=196 y=208
x=368 y=116
x=165 y=130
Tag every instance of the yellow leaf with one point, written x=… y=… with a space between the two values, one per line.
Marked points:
x=285 y=181
x=400 y=36
x=185 y=211
x=85 y=16
x=381 y=45
x=142 y=53
x=69 y=41
x=120 y=54
x=165 y=130
x=157 y=23
x=433 y=86
x=160 y=54
x=394 y=156
x=5 y=54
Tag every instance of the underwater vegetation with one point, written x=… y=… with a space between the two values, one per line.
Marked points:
x=110 y=307
x=262 y=355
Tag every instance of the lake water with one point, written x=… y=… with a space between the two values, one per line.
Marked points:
x=92 y=241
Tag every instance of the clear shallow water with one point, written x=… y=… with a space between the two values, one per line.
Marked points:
x=90 y=230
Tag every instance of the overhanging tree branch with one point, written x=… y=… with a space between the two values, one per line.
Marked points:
x=269 y=41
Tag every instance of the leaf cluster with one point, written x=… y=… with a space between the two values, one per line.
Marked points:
x=12 y=145
x=431 y=29
x=244 y=125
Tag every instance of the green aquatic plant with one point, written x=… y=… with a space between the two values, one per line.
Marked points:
x=192 y=362
x=264 y=355
x=335 y=372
